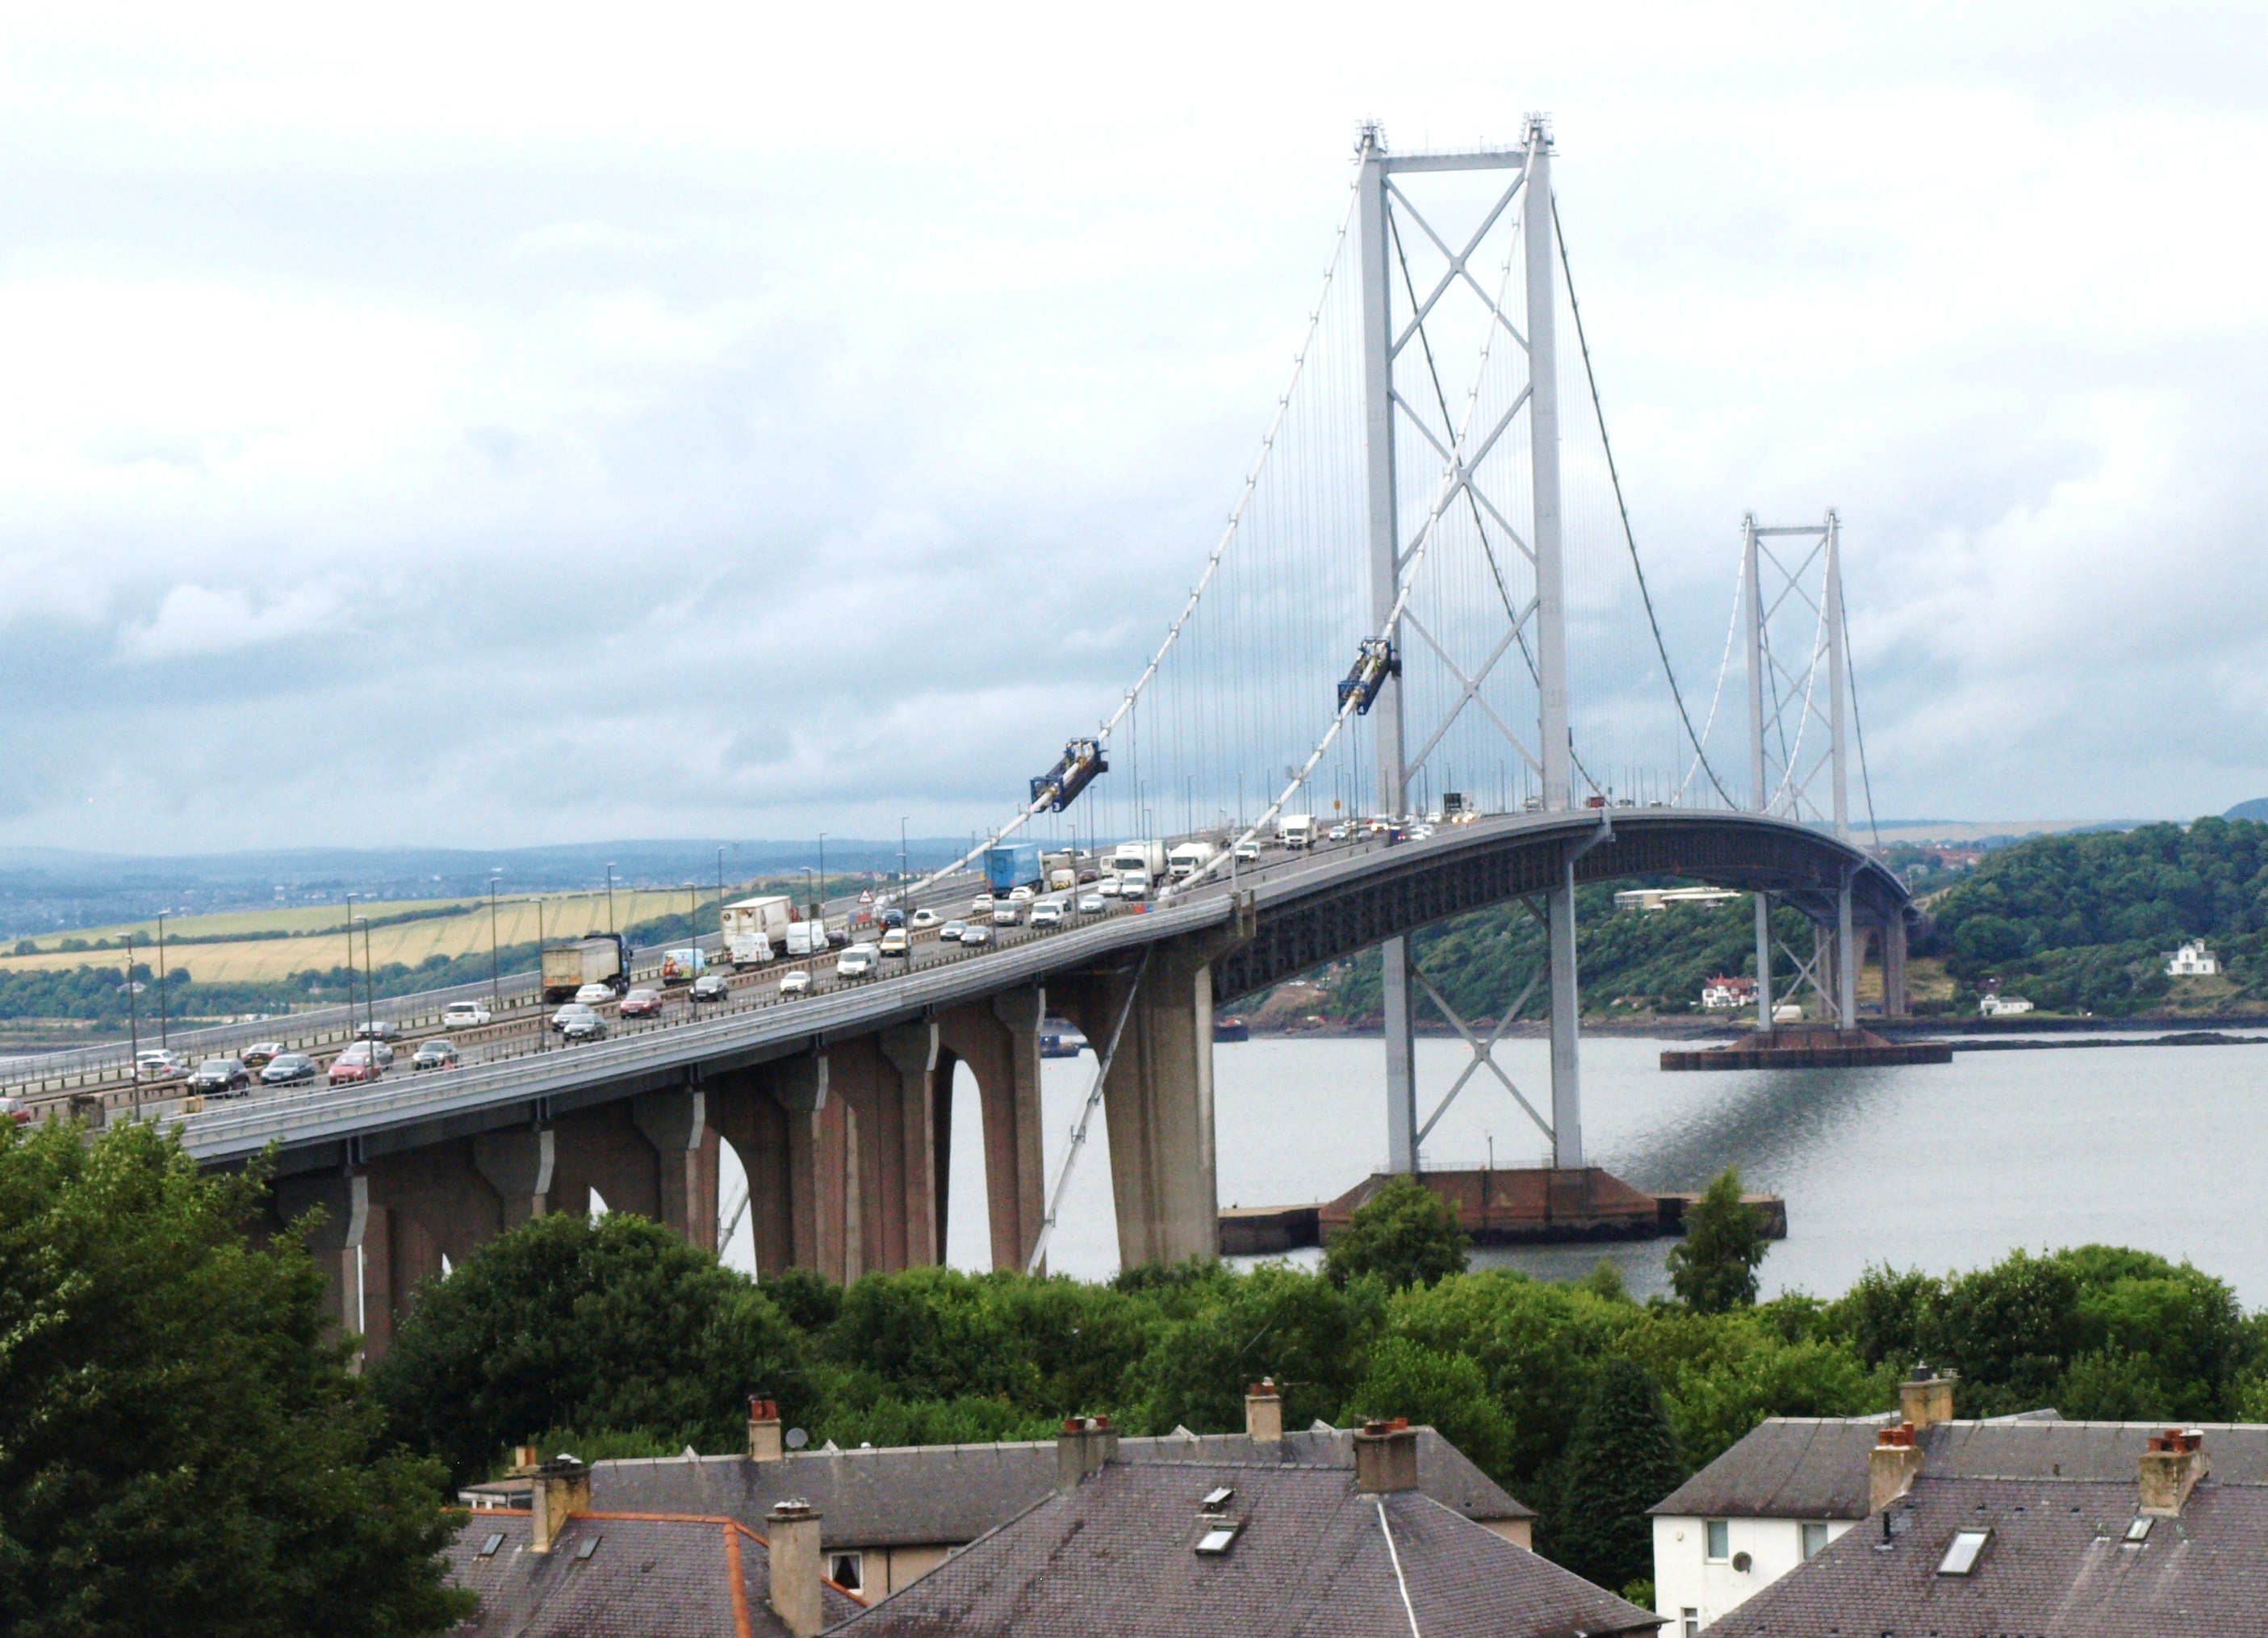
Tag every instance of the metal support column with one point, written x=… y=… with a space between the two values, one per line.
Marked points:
x=1839 y=702
x=1846 y=963
x=1760 y=797
x=1385 y=585
x=1551 y=638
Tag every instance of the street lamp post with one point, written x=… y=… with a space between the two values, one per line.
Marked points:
x=542 y=1034
x=350 y=965
x=720 y=898
x=822 y=875
x=904 y=875
x=610 y=895
x=133 y=1026
x=495 y=977
x=161 y=977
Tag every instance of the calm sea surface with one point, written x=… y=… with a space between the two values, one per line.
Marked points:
x=1938 y=1167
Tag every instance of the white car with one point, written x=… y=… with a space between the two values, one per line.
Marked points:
x=981 y=905
x=1022 y=895
x=1133 y=888
x=1049 y=914
x=461 y=1014
x=594 y=995
x=1108 y=886
x=857 y=962
x=1008 y=915
x=795 y=983
x=1248 y=852
x=950 y=933
x=923 y=918
x=1092 y=904
x=977 y=934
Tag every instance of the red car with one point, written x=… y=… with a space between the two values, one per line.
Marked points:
x=14 y=1109
x=354 y=1064
x=641 y=1004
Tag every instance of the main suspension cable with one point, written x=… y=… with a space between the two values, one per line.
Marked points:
x=1629 y=535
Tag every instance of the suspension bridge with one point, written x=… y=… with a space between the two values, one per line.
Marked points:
x=1428 y=602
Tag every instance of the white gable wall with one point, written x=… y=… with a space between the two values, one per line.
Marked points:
x=1684 y=1578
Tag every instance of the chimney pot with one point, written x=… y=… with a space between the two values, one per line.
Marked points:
x=1386 y=1456
x=555 y=1490
x=1263 y=1411
x=2169 y=1469
x=1892 y=1465
x=764 y=1443
x=792 y=1542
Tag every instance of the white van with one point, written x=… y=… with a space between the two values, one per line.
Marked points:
x=464 y=1015
x=857 y=962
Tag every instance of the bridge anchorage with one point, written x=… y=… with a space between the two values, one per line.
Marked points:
x=1341 y=749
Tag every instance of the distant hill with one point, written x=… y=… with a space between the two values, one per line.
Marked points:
x=2257 y=808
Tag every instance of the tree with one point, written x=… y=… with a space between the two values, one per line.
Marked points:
x=1405 y=1234
x=1622 y=1460
x=613 y=1327
x=1713 y=1268
x=1445 y=1391
x=181 y=1444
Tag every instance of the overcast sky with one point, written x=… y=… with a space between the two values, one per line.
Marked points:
x=564 y=423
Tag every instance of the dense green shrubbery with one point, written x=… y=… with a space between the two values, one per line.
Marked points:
x=2080 y=922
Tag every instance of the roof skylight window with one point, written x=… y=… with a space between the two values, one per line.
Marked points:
x=489 y=1547
x=1218 y=1539
x=585 y=1547
x=2138 y=1531
x=1216 y=1500
x=1961 y=1558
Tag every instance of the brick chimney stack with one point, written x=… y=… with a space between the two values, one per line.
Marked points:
x=1386 y=1456
x=1892 y=1466
x=764 y=1443
x=557 y=1488
x=2171 y=1469
x=1081 y=1448
x=1926 y=1398
x=1263 y=1411
x=791 y=1538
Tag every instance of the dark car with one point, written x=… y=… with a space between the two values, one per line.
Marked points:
x=221 y=1076
x=260 y=1055
x=440 y=1053
x=289 y=1069
x=711 y=987
x=384 y=1030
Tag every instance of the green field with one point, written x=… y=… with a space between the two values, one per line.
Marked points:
x=316 y=935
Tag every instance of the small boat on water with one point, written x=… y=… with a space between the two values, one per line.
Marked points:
x=1230 y=1030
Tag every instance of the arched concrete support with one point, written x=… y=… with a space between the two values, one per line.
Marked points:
x=518 y=1166
x=941 y=1077
x=336 y=1242
x=999 y=1041
x=918 y=1241
x=600 y=1147
x=1894 y=1001
x=744 y=1114
x=1157 y=1103
x=788 y=1125
x=685 y=1163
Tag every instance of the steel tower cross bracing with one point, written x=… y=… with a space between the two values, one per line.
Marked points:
x=1394 y=564
x=1786 y=768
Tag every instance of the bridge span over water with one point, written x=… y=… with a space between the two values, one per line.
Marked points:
x=1429 y=597
x=839 y=1105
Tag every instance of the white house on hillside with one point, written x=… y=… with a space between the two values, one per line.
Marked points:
x=2193 y=960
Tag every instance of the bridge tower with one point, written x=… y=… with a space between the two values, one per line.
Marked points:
x=1791 y=772
x=1540 y=629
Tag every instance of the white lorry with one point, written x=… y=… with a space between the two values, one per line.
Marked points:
x=755 y=927
x=1296 y=830
x=1189 y=858
x=1136 y=862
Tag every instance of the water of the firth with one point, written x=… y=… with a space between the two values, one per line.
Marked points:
x=1935 y=1167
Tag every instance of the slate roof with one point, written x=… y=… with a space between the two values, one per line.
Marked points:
x=647 y=1577
x=1313 y=1559
x=1816 y=1467
x=924 y=1494
x=2055 y=1564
